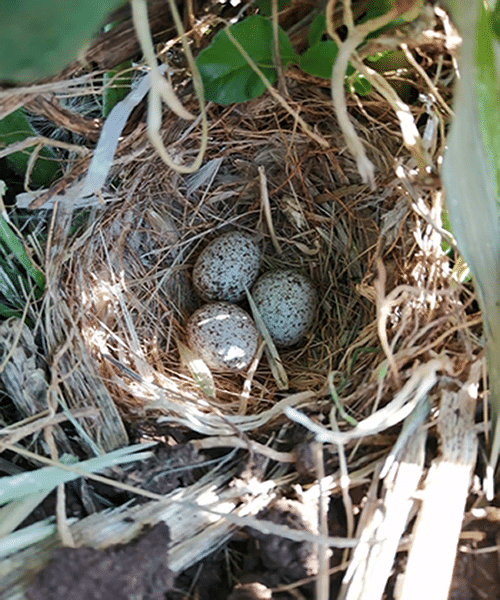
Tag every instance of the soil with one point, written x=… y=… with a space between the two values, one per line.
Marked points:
x=252 y=565
x=136 y=570
x=265 y=566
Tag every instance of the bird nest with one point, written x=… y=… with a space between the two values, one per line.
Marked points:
x=373 y=256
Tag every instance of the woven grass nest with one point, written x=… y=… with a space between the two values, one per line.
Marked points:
x=392 y=320
x=128 y=279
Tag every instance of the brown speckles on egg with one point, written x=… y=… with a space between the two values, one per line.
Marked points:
x=287 y=302
x=228 y=264
x=223 y=335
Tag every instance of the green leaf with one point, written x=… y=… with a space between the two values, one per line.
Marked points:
x=487 y=93
x=378 y=56
x=266 y=6
x=338 y=402
x=16 y=247
x=117 y=82
x=495 y=19
x=15 y=127
x=445 y=221
x=45 y=479
x=7 y=311
x=121 y=79
x=317 y=29
x=388 y=60
x=37 y=39
x=376 y=8
x=318 y=60
x=226 y=75
x=361 y=85
x=471 y=187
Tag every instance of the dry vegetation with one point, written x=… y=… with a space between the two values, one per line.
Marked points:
x=397 y=338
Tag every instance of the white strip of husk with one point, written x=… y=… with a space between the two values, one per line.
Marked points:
x=432 y=556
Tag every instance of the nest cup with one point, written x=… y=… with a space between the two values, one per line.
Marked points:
x=133 y=274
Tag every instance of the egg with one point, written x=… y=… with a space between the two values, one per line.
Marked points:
x=223 y=335
x=226 y=266
x=287 y=302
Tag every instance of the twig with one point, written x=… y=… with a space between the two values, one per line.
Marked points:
x=39 y=141
x=411 y=135
x=426 y=78
x=383 y=307
x=264 y=196
x=160 y=87
x=323 y=580
x=356 y=36
x=231 y=441
x=276 y=49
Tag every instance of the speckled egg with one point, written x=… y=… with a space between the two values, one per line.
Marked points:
x=228 y=264
x=223 y=335
x=287 y=302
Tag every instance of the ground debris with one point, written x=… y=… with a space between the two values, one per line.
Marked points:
x=136 y=571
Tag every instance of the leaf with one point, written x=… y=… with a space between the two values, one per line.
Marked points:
x=360 y=84
x=318 y=60
x=16 y=247
x=377 y=8
x=45 y=479
x=15 y=127
x=266 y=6
x=487 y=242
x=471 y=187
x=408 y=10
x=37 y=39
x=487 y=95
x=226 y=75
x=388 y=60
x=6 y=311
x=495 y=19
x=117 y=82
x=338 y=402
x=121 y=78
x=317 y=29
x=116 y=91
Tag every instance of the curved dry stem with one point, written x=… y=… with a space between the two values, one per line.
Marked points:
x=40 y=140
x=162 y=90
x=411 y=135
x=159 y=85
x=346 y=49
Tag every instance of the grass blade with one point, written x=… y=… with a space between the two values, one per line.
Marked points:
x=471 y=185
